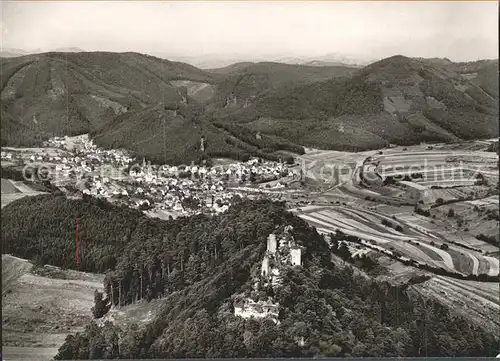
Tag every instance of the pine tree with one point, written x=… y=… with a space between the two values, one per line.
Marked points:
x=101 y=306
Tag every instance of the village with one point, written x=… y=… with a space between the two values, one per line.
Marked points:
x=79 y=168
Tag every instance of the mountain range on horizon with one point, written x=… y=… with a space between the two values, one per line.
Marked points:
x=214 y=61
x=14 y=52
x=210 y=61
x=127 y=99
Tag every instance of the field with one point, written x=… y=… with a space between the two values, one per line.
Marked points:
x=451 y=169
x=341 y=170
x=41 y=307
x=416 y=157
x=471 y=219
x=28 y=353
x=444 y=168
x=475 y=300
x=460 y=295
x=412 y=240
x=453 y=194
x=8 y=187
x=440 y=240
x=12 y=190
x=419 y=238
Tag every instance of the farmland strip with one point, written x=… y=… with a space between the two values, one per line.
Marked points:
x=475 y=263
x=331 y=219
x=317 y=221
x=367 y=229
x=460 y=289
x=484 y=266
x=429 y=252
x=493 y=271
x=415 y=253
x=469 y=287
x=462 y=262
x=310 y=209
x=465 y=296
x=361 y=235
x=374 y=221
x=444 y=255
x=345 y=220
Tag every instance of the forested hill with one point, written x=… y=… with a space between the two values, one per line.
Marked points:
x=74 y=93
x=117 y=238
x=396 y=100
x=160 y=109
x=199 y=265
x=151 y=106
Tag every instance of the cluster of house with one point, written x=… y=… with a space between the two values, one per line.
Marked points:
x=89 y=154
x=285 y=252
x=254 y=170
x=180 y=195
x=77 y=163
x=189 y=189
x=27 y=156
x=6 y=155
x=101 y=186
x=56 y=142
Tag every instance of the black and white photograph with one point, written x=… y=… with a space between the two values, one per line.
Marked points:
x=249 y=180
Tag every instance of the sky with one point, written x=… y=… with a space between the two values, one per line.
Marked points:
x=460 y=31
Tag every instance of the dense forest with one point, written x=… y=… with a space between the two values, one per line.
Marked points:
x=265 y=143
x=336 y=313
x=198 y=265
x=143 y=257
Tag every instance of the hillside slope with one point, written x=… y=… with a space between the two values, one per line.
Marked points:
x=155 y=106
x=231 y=68
x=177 y=139
x=74 y=93
x=164 y=134
x=243 y=82
x=151 y=106
x=41 y=306
x=202 y=267
x=396 y=100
